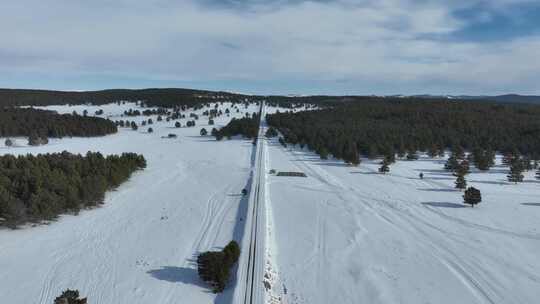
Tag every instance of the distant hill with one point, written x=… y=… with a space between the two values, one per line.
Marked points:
x=509 y=98
x=516 y=98
x=152 y=97
x=168 y=97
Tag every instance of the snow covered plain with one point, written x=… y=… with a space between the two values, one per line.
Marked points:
x=342 y=235
x=139 y=247
x=351 y=235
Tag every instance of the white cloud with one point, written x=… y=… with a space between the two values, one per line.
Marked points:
x=378 y=42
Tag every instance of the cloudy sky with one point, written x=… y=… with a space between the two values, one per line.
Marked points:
x=274 y=46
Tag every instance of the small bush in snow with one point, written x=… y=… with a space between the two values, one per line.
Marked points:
x=70 y=297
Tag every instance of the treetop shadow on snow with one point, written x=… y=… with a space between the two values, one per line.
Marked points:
x=367 y=173
x=438 y=190
x=429 y=177
x=434 y=171
x=175 y=274
x=500 y=182
x=443 y=205
x=330 y=164
x=531 y=204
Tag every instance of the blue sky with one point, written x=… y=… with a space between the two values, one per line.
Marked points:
x=274 y=46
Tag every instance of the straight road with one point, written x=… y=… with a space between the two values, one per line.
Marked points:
x=249 y=288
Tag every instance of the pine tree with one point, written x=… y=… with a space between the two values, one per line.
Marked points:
x=472 y=196
x=8 y=142
x=150 y=130
x=384 y=167
x=70 y=297
x=462 y=168
x=461 y=183
x=177 y=124
x=451 y=164
x=516 y=172
x=204 y=132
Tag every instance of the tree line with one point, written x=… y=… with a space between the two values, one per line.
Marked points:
x=36 y=188
x=247 y=126
x=383 y=127
x=42 y=124
x=150 y=97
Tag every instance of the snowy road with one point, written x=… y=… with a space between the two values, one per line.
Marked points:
x=249 y=288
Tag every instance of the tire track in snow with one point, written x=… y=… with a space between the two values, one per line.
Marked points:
x=482 y=227
x=393 y=215
x=216 y=211
x=465 y=272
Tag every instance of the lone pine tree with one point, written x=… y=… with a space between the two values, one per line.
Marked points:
x=461 y=183
x=462 y=168
x=384 y=167
x=472 y=196
x=452 y=163
x=70 y=297
x=516 y=171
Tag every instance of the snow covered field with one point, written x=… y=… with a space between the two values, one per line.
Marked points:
x=342 y=235
x=139 y=246
x=351 y=235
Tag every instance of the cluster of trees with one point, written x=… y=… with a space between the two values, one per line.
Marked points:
x=147 y=112
x=247 y=127
x=70 y=297
x=132 y=112
x=459 y=164
x=214 y=266
x=35 y=188
x=518 y=164
x=403 y=126
x=271 y=132
x=43 y=124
